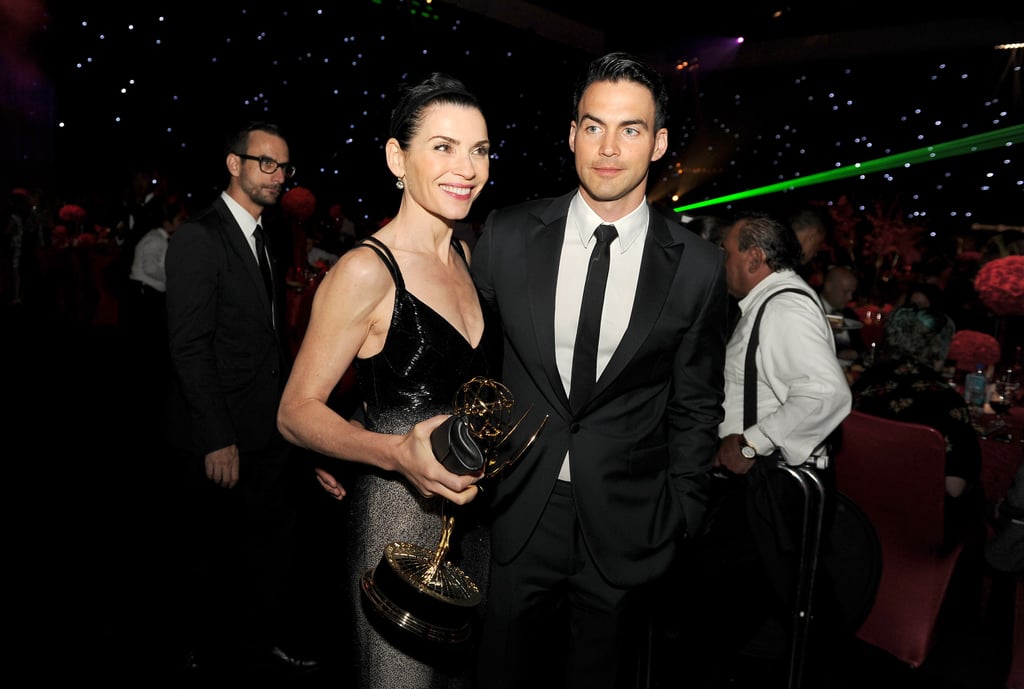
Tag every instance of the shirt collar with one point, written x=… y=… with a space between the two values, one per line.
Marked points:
x=766 y=285
x=582 y=221
x=241 y=216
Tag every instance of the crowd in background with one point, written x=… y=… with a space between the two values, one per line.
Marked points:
x=71 y=265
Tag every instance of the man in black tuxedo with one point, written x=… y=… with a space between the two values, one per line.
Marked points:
x=230 y=363
x=596 y=510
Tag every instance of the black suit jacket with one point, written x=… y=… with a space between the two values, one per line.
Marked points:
x=642 y=446
x=229 y=361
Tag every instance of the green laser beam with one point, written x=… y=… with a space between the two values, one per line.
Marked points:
x=969 y=144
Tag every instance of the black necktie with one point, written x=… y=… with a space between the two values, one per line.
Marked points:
x=261 y=256
x=584 y=357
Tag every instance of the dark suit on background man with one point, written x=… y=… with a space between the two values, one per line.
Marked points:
x=230 y=362
x=226 y=348
x=572 y=559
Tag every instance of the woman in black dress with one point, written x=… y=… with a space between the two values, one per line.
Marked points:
x=402 y=308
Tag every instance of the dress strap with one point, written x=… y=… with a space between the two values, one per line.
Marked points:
x=386 y=257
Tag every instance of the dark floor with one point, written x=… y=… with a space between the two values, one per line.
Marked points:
x=91 y=592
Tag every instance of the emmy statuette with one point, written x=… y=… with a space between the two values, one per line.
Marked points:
x=416 y=588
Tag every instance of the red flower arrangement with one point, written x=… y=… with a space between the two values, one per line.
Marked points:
x=1000 y=285
x=59 y=237
x=844 y=223
x=85 y=240
x=71 y=213
x=970 y=347
x=892 y=237
x=298 y=203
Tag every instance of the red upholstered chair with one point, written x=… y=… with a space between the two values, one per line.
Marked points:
x=895 y=472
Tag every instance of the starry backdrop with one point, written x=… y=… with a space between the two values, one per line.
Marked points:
x=95 y=93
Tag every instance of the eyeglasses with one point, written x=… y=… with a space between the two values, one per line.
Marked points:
x=269 y=165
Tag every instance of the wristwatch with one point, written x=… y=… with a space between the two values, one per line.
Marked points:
x=746 y=449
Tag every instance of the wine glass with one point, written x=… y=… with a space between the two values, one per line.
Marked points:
x=1005 y=390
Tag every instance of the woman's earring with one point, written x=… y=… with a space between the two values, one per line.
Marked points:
x=400 y=183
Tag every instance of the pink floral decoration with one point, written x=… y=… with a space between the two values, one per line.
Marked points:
x=298 y=203
x=970 y=347
x=72 y=213
x=1000 y=285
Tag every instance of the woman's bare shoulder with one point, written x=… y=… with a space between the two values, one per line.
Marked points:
x=359 y=275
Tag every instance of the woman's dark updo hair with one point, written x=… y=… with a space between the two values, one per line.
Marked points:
x=407 y=115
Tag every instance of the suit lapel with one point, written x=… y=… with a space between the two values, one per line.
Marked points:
x=543 y=252
x=657 y=274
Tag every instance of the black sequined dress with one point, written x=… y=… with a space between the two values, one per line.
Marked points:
x=423 y=362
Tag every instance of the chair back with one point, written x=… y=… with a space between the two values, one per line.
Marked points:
x=895 y=472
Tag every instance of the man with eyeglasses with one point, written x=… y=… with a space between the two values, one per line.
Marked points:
x=269 y=166
x=230 y=363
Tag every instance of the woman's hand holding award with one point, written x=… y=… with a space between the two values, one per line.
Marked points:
x=414 y=587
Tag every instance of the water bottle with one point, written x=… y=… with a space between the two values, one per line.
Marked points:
x=974 y=388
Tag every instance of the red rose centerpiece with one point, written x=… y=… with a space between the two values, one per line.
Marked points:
x=1000 y=285
x=970 y=348
x=71 y=213
x=298 y=203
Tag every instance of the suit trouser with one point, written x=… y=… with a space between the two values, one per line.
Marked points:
x=552 y=620
x=238 y=553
